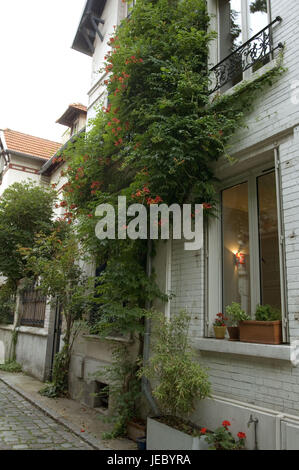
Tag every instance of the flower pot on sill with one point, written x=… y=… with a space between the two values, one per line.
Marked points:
x=160 y=436
x=135 y=430
x=219 y=332
x=234 y=333
x=263 y=332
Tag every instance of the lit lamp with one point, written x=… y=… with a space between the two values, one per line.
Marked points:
x=239 y=258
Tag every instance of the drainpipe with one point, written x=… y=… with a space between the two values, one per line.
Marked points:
x=146 y=388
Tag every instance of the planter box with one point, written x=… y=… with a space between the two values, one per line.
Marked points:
x=135 y=430
x=234 y=333
x=264 y=332
x=163 y=437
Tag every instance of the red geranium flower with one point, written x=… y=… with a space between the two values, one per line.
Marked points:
x=225 y=424
x=241 y=435
x=203 y=430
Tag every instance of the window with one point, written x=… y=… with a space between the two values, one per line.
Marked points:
x=130 y=5
x=241 y=50
x=33 y=308
x=246 y=235
x=101 y=398
x=75 y=127
x=268 y=241
x=238 y=21
x=235 y=246
x=252 y=202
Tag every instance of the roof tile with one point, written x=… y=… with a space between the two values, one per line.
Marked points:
x=30 y=145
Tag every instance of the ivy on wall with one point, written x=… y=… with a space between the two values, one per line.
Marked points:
x=160 y=132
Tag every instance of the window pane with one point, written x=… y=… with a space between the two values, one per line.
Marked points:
x=258 y=20
x=258 y=16
x=236 y=259
x=230 y=34
x=269 y=243
x=230 y=26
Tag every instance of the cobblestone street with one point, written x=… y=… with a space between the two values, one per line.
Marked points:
x=23 y=426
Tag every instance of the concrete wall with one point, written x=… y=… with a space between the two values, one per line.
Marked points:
x=34 y=346
x=91 y=355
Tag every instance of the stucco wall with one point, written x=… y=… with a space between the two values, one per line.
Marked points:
x=34 y=346
x=16 y=173
x=114 y=12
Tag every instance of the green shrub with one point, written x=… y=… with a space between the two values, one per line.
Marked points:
x=178 y=378
x=59 y=385
x=222 y=438
x=267 y=313
x=7 y=303
x=236 y=314
x=11 y=366
x=124 y=391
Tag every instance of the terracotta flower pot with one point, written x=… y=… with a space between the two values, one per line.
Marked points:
x=219 y=332
x=234 y=333
x=135 y=430
x=264 y=332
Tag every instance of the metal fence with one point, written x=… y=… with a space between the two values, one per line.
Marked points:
x=33 y=308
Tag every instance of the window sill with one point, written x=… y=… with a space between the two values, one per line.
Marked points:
x=283 y=352
x=254 y=76
x=30 y=330
x=119 y=339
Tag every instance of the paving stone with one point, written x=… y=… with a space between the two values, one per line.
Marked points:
x=23 y=426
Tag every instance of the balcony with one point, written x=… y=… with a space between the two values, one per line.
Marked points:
x=252 y=54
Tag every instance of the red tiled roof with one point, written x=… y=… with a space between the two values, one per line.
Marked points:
x=30 y=145
x=79 y=106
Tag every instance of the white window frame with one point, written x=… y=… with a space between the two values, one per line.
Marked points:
x=214 y=268
x=245 y=21
x=214 y=48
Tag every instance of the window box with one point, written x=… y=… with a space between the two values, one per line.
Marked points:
x=263 y=332
x=160 y=436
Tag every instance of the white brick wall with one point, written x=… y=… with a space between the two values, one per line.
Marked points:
x=267 y=383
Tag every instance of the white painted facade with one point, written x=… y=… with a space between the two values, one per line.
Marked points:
x=114 y=11
x=251 y=379
x=247 y=379
x=16 y=174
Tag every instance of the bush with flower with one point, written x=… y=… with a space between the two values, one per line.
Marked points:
x=222 y=438
x=220 y=320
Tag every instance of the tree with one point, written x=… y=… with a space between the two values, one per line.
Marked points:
x=25 y=209
x=259 y=6
x=54 y=259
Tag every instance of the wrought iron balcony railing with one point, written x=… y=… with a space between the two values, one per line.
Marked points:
x=257 y=50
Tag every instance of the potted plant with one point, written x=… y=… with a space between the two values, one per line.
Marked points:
x=136 y=429
x=265 y=329
x=178 y=382
x=219 y=326
x=222 y=438
x=235 y=315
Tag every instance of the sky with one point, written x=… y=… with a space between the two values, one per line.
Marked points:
x=40 y=75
